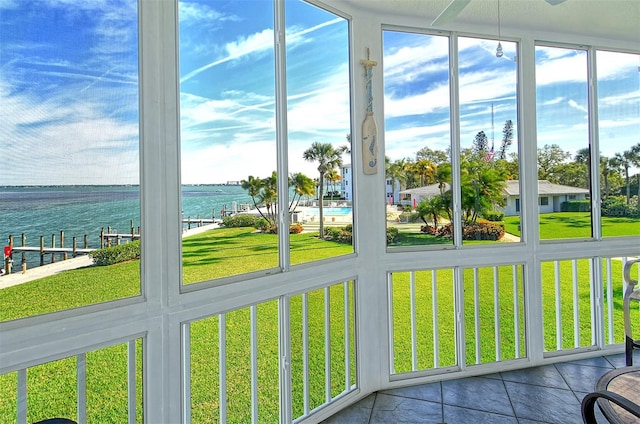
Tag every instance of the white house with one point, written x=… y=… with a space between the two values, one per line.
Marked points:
x=346 y=183
x=550 y=196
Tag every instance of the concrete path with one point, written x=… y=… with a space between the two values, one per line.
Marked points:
x=17 y=277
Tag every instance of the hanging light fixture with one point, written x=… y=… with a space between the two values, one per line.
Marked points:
x=499 y=52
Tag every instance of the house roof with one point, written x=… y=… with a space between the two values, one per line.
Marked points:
x=545 y=188
x=512 y=188
x=426 y=191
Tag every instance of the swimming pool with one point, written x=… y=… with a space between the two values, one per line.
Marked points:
x=328 y=211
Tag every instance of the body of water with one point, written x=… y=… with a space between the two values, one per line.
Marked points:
x=79 y=210
x=328 y=211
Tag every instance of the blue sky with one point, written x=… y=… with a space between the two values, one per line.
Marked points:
x=69 y=81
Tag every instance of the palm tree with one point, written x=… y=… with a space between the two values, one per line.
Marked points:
x=394 y=172
x=328 y=158
x=635 y=159
x=626 y=159
x=429 y=209
x=254 y=188
x=332 y=176
x=608 y=166
x=302 y=186
x=270 y=196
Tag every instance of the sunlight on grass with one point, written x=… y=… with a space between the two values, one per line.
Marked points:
x=567 y=225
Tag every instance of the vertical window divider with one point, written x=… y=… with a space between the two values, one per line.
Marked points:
x=279 y=29
x=594 y=142
x=455 y=138
x=458 y=307
x=22 y=397
x=131 y=380
x=81 y=372
x=284 y=351
x=185 y=343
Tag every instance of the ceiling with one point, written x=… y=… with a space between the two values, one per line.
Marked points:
x=611 y=19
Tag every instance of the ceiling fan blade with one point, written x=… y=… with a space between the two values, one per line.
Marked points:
x=554 y=2
x=450 y=12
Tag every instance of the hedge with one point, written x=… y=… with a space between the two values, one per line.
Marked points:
x=116 y=254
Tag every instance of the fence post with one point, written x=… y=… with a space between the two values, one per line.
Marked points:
x=41 y=250
x=64 y=254
x=24 y=254
x=53 y=245
x=75 y=246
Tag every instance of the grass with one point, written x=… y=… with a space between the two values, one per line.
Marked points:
x=568 y=225
x=52 y=388
x=226 y=252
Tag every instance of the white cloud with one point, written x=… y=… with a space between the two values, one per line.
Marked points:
x=577 y=106
x=564 y=68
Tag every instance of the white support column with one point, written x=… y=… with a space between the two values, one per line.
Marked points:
x=527 y=153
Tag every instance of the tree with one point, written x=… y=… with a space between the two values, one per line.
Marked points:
x=608 y=166
x=269 y=197
x=264 y=193
x=328 y=158
x=635 y=159
x=431 y=209
x=254 y=187
x=332 y=176
x=302 y=186
x=626 y=159
x=480 y=144
x=435 y=156
x=394 y=171
x=507 y=139
x=482 y=188
x=550 y=159
x=425 y=170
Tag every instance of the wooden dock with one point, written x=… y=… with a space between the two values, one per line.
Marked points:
x=108 y=238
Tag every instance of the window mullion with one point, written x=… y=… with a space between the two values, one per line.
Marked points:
x=281 y=133
x=455 y=138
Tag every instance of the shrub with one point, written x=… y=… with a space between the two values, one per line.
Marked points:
x=477 y=231
x=482 y=231
x=494 y=216
x=116 y=254
x=428 y=229
x=392 y=235
x=617 y=206
x=242 y=220
x=296 y=228
x=339 y=234
x=576 y=206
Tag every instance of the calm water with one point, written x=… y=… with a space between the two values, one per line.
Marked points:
x=80 y=210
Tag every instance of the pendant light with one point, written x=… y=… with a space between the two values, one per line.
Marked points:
x=499 y=52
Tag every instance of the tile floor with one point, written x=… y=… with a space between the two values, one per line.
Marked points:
x=545 y=394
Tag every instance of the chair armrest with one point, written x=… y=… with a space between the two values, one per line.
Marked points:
x=589 y=403
x=627 y=272
x=628 y=292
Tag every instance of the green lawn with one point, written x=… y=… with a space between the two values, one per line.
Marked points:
x=203 y=258
x=566 y=225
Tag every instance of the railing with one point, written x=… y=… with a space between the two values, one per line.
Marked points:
x=86 y=387
x=454 y=317
x=282 y=359
x=582 y=303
